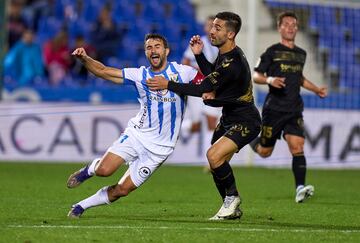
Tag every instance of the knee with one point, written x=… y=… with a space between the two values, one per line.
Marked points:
x=264 y=152
x=296 y=149
x=103 y=171
x=213 y=157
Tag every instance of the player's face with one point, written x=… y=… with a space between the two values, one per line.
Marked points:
x=288 y=28
x=156 y=53
x=218 y=33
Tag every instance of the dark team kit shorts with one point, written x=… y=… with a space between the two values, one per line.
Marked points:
x=241 y=133
x=276 y=122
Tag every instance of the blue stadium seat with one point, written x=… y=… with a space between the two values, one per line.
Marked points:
x=48 y=27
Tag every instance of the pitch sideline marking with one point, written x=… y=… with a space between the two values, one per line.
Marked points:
x=181 y=228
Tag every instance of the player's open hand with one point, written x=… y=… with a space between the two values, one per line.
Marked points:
x=157 y=83
x=208 y=96
x=79 y=53
x=276 y=82
x=322 y=92
x=196 y=44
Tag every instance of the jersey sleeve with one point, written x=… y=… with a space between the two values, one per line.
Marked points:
x=264 y=62
x=223 y=74
x=189 y=55
x=132 y=75
x=189 y=73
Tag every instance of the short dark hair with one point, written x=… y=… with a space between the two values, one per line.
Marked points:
x=233 y=21
x=210 y=17
x=157 y=36
x=282 y=15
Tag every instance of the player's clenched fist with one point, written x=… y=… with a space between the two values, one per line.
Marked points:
x=79 y=53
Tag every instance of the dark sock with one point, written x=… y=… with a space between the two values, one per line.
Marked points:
x=225 y=178
x=254 y=143
x=299 y=169
x=219 y=186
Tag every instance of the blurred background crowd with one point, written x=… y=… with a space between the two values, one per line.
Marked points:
x=42 y=33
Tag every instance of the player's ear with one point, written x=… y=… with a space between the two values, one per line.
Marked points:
x=167 y=51
x=231 y=35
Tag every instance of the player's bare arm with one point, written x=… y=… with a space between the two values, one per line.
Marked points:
x=320 y=91
x=276 y=82
x=97 y=68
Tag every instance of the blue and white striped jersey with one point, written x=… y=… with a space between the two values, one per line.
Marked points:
x=159 y=119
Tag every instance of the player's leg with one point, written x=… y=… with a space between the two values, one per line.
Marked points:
x=101 y=196
x=218 y=133
x=105 y=166
x=143 y=165
x=272 y=125
x=209 y=125
x=294 y=136
x=219 y=155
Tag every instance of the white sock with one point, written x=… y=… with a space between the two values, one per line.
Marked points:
x=99 y=198
x=92 y=167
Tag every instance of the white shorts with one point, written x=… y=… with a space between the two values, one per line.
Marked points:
x=142 y=162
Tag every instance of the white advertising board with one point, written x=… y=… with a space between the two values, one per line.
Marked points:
x=79 y=132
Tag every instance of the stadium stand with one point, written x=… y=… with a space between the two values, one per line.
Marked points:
x=132 y=20
x=331 y=27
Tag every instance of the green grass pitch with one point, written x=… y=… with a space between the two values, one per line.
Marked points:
x=173 y=206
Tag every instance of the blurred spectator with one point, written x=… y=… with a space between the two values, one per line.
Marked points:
x=16 y=23
x=23 y=62
x=78 y=69
x=105 y=35
x=202 y=117
x=57 y=57
x=39 y=9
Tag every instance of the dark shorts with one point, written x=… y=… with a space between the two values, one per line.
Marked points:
x=241 y=133
x=275 y=123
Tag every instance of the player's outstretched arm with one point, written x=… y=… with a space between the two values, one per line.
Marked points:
x=320 y=91
x=159 y=82
x=97 y=68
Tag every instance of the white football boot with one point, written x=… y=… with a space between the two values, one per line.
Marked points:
x=229 y=209
x=304 y=192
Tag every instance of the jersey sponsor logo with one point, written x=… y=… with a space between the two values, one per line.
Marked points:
x=289 y=56
x=162 y=99
x=144 y=172
x=291 y=68
x=143 y=117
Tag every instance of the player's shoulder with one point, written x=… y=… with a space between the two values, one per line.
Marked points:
x=274 y=47
x=182 y=67
x=299 y=49
x=135 y=69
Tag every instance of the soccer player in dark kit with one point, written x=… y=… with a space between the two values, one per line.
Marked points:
x=281 y=68
x=228 y=85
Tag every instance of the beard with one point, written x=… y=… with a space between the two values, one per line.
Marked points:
x=217 y=43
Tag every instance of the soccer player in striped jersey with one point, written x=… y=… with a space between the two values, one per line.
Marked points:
x=150 y=136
